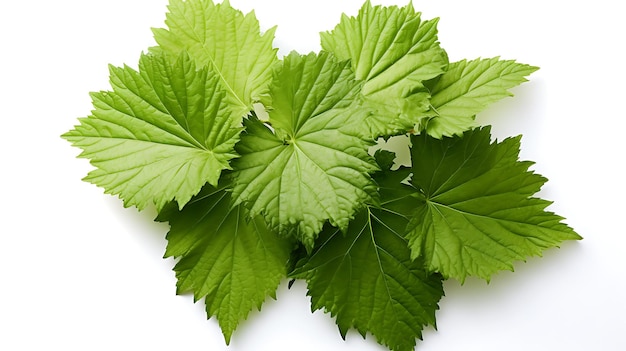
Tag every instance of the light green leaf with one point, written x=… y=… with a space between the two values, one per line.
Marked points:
x=474 y=212
x=467 y=88
x=226 y=40
x=366 y=277
x=304 y=170
x=160 y=135
x=232 y=261
x=393 y=51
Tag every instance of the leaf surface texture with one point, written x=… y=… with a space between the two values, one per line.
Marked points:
x=467 y=88
x=226 y=41
x=475 y=213
x=305 y=170
x=393 y=51
x=366 y=278
x=161 y=134
x=233 y=262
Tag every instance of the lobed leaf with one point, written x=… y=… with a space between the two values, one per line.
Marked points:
x=305 y=170
x=393 y=51
x=474 y=211
x=228 y=42
x=467 y=88
x=231 y=261
x=160 y=135
x=366 y=277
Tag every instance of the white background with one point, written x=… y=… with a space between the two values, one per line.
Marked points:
x=80 y=272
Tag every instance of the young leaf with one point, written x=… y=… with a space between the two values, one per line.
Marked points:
x=467 y=88
x=222 y=38
x=230 y=260
x=160 y=135
x=367 y=279
x=393 y=51
x=475 y=214
x=305 y=170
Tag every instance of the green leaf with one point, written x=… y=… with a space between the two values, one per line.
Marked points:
x=230 y=260
x=304 y=170
x=367 y=279
x=227 y=41
x=474 y=211
x=467 y=88
x=160 y=135
x=393 y=51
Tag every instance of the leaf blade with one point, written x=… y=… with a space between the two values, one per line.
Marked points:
x=151 y=144
x=305 y=169
x=468 y=87
x=366 y=277
x=232 y=262
x=222 y=38
x=475 y=214
x=393 y=51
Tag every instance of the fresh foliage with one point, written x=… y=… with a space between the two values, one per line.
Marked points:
x=366 y=276
x=232 y=261
x=161 y=134
x=473 y=210
x=393 y=52
x=304 y=170
x=227 y=42
x=468 y=87
x=298 y=191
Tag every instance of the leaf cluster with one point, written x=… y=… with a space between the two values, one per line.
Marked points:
x=267 y=168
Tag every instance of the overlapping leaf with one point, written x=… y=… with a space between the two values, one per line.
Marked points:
x=304 y=170
x=467 y=88
x=393 y=51
x=228 y=42
x=160 y=135
x=366 y=277
x=374 y=244
x=231 y=261
x=475 y=214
